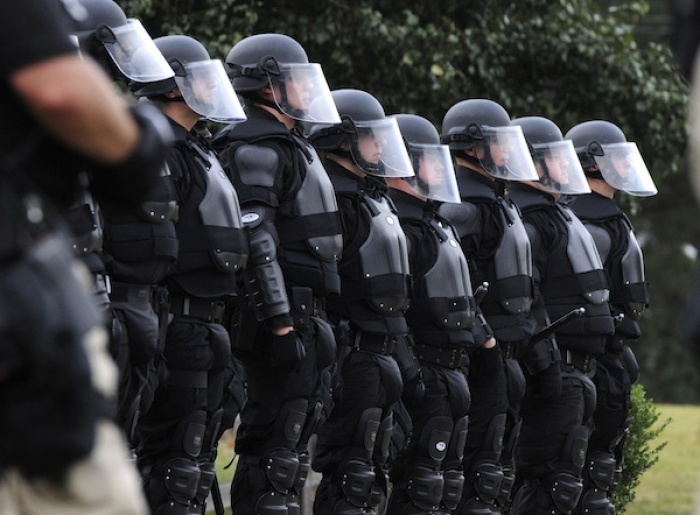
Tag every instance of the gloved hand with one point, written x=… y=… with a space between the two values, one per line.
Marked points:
x=287 y=351
x=548 y=382
x=414 y=390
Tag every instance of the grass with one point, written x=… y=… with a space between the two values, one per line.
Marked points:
x=671 y=486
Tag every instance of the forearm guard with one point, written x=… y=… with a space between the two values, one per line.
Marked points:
x=263 y=276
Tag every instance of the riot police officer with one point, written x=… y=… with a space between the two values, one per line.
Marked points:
x=612 y=164
x=137 y=244
x=427 y=475
x=177 y=437
x=61 y=117
x=488 y=152
x=290 y=213
x=352 y=444
x=568 y=275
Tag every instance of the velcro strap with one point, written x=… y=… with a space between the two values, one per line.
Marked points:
x=308 y=226
x=135 y=294
x=210 y=310
x=377 y=343
x=635 y=292
x=581 y=361
x=510 y=288
x=207 y=237
x=577 y=284
x=187 y=378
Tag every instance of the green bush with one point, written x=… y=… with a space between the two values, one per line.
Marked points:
x=640 y=453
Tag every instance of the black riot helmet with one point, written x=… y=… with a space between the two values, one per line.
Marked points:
x=279 y=61
x=202 y=81
x=120 y=45
x=371 y=139
x=484 y=126
x=555 y=159
x=432 y=163
x=606 y=154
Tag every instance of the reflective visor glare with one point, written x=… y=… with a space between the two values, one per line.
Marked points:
x=303 y=94
x=136 y=55
x=564 y=172
x=380 y=142
x=509 y=152
x=207 y=90
x=624 y=169
x=435 y=174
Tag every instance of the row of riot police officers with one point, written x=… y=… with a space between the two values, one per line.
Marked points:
x=441 y=309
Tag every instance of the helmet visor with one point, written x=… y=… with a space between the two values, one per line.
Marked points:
x=623 y=168
x=379 y=149
x=506 y=155
x=434 y=173
x=300 y=86
x=560 y=169
x=207 y=90
x=134 y=52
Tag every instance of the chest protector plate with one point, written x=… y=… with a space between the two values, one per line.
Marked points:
x=161 y=204
x=447 y=283
x=317 y=220
x=220 y=214
x=383 y=258
x=584 y=259
x=513 y=262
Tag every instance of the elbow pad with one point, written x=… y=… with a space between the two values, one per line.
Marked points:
x=130 y=180
x=264 y=279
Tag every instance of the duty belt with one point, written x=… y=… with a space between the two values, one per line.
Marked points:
x=583 y=362
x=136 y=294
x=448 y=357
x=377 y=343
x=209 y=310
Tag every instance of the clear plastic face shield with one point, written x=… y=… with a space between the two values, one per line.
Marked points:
x=207 y=90
x=505 y=155
x=560 y=169
x=378 y=148
x=302 y=93
x=434 y=173
x=134 y=52
x=623 y=168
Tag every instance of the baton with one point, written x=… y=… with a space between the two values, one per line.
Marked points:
x=557 y=324
x=481 y=292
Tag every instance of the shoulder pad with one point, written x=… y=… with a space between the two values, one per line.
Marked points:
x=252 y=129
x=602 y=240
x=463 y=217
x=256 y=165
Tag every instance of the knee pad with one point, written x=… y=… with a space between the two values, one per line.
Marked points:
x=302 y=473
x=424 y=486
x=565 y=490
x=493 y=439
x=358 y=483
x=600 y=469
x=486 y=477
x=180 y=478
x=281 y=467
x=453 y=488
x=189 y=434
x=206 y=480
x=595 y=502
x=507 y=482
x=383 y=443
x=271 y=503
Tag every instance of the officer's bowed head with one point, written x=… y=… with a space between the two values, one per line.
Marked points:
x=434 y=177
x=605 y=154
x=365 y=134
x=199 y=81
x=555 y=158
x=120 y=45
x=479 y=131
x=279 y=62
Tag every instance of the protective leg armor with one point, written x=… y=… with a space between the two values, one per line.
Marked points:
x=487 y=474
x=172 y=484
x=566 y=484
x=508 y=464
x=453 y=475
x=206 y=463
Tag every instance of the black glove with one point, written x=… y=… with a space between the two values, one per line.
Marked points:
x=414 y=390
x=548 y=382
x=287 y=352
